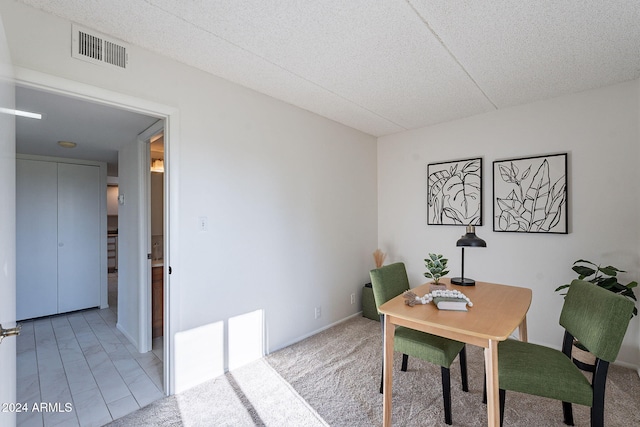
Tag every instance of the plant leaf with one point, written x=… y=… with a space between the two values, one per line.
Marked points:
x=515 y=170
x=584 y=261
x=583 y=271
x=553 y=210
x=472 y=166
x=610 y=271
x=537 y=195
x=608 y=283
x=507 y=174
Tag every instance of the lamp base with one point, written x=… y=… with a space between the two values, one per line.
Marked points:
x=463 y=281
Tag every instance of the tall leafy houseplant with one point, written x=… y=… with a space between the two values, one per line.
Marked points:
x=605 y=277
x=436 y=267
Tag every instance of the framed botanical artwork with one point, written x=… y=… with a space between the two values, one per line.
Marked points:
x=454 y=192
x=530 y=194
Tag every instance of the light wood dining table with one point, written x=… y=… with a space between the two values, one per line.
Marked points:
x=496 y=313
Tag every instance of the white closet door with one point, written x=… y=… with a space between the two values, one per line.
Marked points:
x=78 y=237
x=37 y=239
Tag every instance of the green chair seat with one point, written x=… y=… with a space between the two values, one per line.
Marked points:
x=437 y=350
x=390 y=281
x=549 y=373
x=598 y=319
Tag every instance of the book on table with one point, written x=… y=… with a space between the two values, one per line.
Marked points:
x=448 y=303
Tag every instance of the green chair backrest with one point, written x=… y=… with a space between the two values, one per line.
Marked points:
x=596 y=317
x=388 y=282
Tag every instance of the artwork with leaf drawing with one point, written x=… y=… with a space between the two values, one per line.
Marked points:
x=454 y=192
x=530 y=194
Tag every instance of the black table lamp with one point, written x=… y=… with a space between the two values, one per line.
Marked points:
x=468 y=240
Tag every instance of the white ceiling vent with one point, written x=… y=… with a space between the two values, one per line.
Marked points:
x=91 y=46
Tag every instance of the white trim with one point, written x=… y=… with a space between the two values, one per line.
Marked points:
x=627 y=365
x=144 y=238
x=59 y=160
x=151 y=131
x=61 y=86
x=317 y=331
x=126 y=334
x=145 y=294
x=53 y=84
x=171 y=243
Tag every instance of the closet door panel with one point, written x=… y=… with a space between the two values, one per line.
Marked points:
x=36 y=239
x=78 y=237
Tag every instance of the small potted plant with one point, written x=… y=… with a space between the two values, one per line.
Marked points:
x=605 y=277
x=436 y=267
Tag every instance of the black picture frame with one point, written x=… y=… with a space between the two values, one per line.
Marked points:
x=454 y=192
x=530 y=194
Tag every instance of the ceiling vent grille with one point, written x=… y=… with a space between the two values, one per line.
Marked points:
x=96 y=48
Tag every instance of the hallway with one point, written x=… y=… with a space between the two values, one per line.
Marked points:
x=81 y=358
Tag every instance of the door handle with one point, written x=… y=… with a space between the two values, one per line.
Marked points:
x=9 y=332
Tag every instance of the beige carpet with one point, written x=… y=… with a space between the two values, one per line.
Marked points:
x=333 y=378
x=338 y=373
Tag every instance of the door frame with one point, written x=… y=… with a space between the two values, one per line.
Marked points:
x=58 y=85
x=145 y=309
x=7 y=230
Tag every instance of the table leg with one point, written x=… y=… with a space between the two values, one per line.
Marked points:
x=387 y=367
x=522 y=330
x=491 y=368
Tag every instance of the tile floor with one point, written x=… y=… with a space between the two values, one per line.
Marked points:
x=82 y=359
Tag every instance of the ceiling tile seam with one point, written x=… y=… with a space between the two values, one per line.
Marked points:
x=278 y=66
x=442 y=43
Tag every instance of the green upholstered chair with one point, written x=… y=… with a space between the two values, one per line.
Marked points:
x=390 y=281
x=598 y=319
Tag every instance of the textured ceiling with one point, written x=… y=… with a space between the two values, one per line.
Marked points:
x=388 y=65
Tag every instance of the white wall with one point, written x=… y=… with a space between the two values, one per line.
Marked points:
x=599 y=129
x=112 y=200
x=290 y=196
x=638 y=206
x=7 y=230
x=129 y=250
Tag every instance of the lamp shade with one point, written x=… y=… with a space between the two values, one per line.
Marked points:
x=470 y=239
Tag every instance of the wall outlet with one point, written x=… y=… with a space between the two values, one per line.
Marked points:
x=353 y=298
x=317 y=312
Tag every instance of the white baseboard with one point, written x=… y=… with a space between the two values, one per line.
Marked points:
x=126 y=334
x=627 y=365
x=310 y=334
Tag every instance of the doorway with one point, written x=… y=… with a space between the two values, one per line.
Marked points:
x=95 y=96
x=156 y=208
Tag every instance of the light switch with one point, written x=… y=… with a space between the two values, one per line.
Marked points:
x=203 y=222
